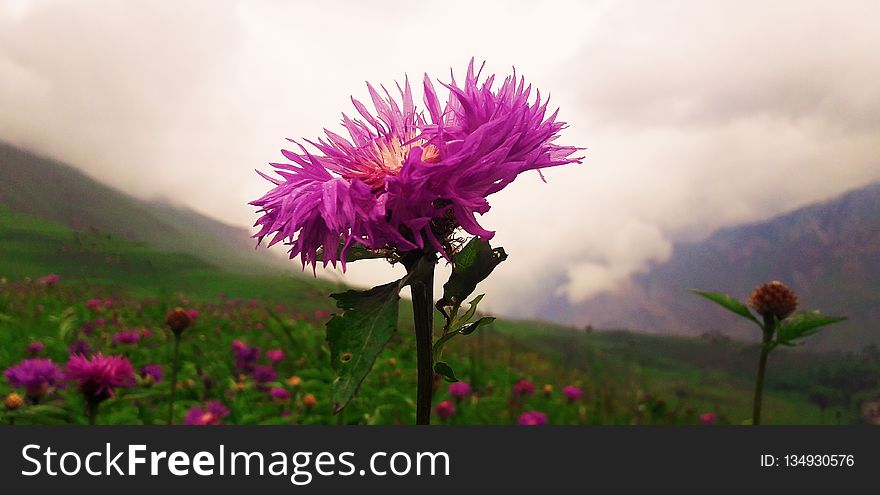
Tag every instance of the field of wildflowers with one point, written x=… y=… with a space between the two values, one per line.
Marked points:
x=65 y=345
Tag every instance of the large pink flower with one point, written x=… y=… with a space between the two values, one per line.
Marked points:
x=99 y=376
x=403 y=181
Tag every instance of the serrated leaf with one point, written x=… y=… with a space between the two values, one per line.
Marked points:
x=470 y=266
x=472 y=310
x=355 y=252
x=472 y=327
x=729 y=303
x=803 y=324
x=357 y=336
x=444 y=370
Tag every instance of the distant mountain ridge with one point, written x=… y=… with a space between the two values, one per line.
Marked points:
x=55 y=191
x=828 y=252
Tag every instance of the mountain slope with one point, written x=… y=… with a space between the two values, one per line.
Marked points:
x=56 y=192
x=829 y=253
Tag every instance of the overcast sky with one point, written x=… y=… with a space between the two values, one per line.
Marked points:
x=696 y=115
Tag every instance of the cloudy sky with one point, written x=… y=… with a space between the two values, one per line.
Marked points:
x=695 y=115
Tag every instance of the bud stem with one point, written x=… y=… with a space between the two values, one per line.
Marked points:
x=769 y=328
x=174 y=369
x=92 y=409
x=422 y=288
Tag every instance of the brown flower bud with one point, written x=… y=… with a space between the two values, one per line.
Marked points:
x=13 y=401
x=178 y=320
x=773 y=299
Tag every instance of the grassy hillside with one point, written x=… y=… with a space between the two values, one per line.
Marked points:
x=54 y=191
x=627 y=377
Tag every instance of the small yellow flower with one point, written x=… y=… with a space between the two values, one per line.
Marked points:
x=392 y=361
x=294 y=381
x=548 y=389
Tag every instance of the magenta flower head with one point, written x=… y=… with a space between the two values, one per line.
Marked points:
x=532 y=418
x=127 y=337
x=80 y=347
x=49 y=280
x=152 y=372
x=275 y=355
x=459 y=390
x=36 y=376
x=99 y=376
x=708 y=418
x=35 y=348
x=572 y=393
x=263 y=374
x=404 y=180
x=211 y=414
x=245 y=356
x=94 y=304
x=523 y=388
x=279 y=394
x=445 y=409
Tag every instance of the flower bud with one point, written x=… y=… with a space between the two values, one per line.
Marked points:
x=13 y=401
x=178 y=320
x=773 y=299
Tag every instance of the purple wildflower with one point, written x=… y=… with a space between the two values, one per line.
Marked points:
x=127 y=337
x=279 y=394
x=572 y=393
x=459 y=390
x=80 y=347
x=532 y=418
x=152 y=371
x=35 y=348
x=49 y=280
x=708 y=418
x=523 y=388
x=94 y=304
x=245 y=356
x=405 y=182
x=36 y=376
x=263 y=374
x=98 y=376
x=275 y=355
x=445 y=409
x=211 y=414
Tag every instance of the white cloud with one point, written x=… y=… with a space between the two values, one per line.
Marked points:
x=696 y=115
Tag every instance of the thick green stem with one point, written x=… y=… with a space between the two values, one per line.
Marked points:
x=422 y=287
x=769 y=327
x=174 y=369
x=92 y=409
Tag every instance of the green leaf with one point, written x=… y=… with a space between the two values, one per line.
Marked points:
x=355 y=252
x=357 y=336
x=729 y=303
x=41 y=412
x=472 y=327
x=470 y=266
x=472 y=310
x=445 y=371
x=803 y=324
